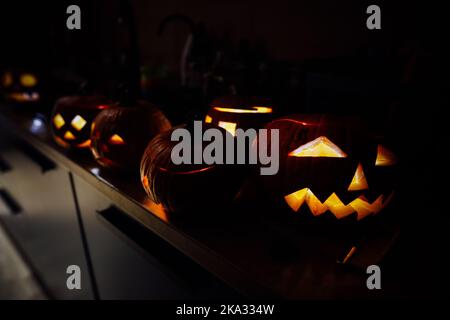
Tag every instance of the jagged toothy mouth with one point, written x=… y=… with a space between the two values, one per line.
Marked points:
x=333 y=203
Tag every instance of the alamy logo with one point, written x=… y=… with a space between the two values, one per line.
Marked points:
x=374 y=20
x=374 y=280
x=74 y=20
x=73 y=281
x=251 y=147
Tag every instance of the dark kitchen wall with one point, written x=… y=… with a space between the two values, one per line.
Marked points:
x=320 y=55
x=328 y=39
x=34 y=38
x=284 y=29
x=290 y=30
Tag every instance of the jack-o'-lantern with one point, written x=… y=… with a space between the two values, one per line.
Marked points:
x=186 y=188
x=334 y=165
x=71 y=120
x=21 y=87
x=121 y=133
x=233 y=112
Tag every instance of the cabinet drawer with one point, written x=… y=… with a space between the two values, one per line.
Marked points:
x=44 y=223
x=128 y=261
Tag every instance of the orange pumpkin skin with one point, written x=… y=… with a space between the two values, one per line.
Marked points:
x=121 y=133
x=71 y=120
x=331 y=165
x=186 y=189
x=233 y=112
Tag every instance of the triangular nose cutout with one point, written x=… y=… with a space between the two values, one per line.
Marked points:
x=359 y=181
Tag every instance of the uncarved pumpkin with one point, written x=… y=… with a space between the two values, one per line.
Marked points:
x=234 y=112
x=186 y=187
x=121 y=133
x=332 y=165
x=72 y=117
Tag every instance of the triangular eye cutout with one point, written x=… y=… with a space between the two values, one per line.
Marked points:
x=359 y=181
x=28 y=80
x=320 y=147
x=385 y=157
x=116 y=139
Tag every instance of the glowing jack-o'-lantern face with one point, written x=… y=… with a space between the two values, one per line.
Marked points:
x=333 y=165
x=121 y=133
x=72 y=118
x=20 y=86
x=232 y=113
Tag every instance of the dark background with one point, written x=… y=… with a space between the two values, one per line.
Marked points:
x=308 y=56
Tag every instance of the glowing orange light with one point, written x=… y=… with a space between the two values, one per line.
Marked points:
x=116 y=139
x=61 y=142
x=95 y=153
x=320 y=147
x=7 y=79
x=187 y=172
x=349 y=255
x=157 y=209
x=293 y=121
x=359 y=181
x=78 y=122
x=145 y=182
x=229 y=126
x=385 y=157
x=69 y=136
x=208 y=119
x=28 y=80
x=254 y=109
x=333 y=204
x=58 y=121
x=23 y=96
x=85 y=144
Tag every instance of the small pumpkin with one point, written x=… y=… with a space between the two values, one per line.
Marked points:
x=121 y=133
x=234 y=112
x=183 y=188
x=20 y=86
x=332 y=165
x=71 y=120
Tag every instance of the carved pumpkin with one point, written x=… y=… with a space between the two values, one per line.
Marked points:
x=235 y=112
x=186 y=188
x=332 y=165
x=71 y=120
x=21 y=87
x=121 y=133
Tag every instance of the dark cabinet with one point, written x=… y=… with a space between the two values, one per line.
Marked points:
x=59 y=219
x=127 y=268
x=37 y=206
